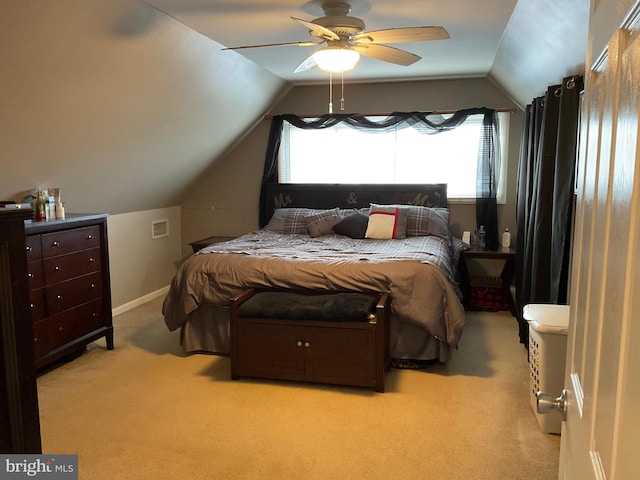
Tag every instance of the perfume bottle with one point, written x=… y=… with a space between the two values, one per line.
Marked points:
x=41 y=205
x=481 y=237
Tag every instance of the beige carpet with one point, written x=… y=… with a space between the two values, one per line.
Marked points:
x=146 y=411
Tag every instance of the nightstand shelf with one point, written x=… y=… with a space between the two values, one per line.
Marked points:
x=498 y=287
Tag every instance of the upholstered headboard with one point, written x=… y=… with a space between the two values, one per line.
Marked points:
x=326 y=196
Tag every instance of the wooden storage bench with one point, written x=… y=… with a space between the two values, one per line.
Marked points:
x=325 y=337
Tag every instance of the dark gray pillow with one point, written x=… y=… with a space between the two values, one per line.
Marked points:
x=354 y=226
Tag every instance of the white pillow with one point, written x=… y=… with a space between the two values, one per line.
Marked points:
x=387 y=221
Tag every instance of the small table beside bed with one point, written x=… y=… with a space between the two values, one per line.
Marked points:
x=315 y=239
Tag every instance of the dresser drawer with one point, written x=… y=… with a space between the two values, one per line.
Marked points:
x=37 y=304
x=41 y=343
x=65 y=295
x=34 y=273
x=64 y=267
x=34 y=249
x=72 y=324
x=59 y=243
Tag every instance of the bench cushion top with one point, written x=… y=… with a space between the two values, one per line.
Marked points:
x=342 y=307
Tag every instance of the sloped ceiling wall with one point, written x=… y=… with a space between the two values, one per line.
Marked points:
x=117 y=104
x=545 y=41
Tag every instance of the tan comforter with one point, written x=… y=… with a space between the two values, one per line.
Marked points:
x=416 y=271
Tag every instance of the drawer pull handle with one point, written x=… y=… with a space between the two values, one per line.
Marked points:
x=61 y=329
x=32 y=305
x=35 y=339
x=89 y=237
x=58 y=297
x=31 y=275
x=94 y=315
x=299 y=343
x=93 y=285
x=56 y=268
x=55 y=244
x=307 y=344
x=28 y=248
x=91 y=260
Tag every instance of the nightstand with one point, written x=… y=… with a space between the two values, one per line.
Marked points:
x=499 y=287
x=200 y=244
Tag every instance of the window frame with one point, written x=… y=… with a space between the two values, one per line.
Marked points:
x=502 y=119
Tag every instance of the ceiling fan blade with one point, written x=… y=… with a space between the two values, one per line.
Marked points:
x=318 y=30
x=286 y=44
x=402 y=35
x=386 y=54
x=307 y=64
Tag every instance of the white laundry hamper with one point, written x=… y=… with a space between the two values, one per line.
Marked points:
x=548 y=327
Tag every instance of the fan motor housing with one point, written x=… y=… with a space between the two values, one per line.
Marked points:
x=341 y=25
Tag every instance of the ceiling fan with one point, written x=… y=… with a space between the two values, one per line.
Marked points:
x=345 y=36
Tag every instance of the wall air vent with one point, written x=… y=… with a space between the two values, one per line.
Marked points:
x=159 y=228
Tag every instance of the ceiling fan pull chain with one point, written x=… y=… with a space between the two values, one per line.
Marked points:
x=342 y=98
x=330 y=92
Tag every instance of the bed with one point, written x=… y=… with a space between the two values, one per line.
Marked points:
x=311 y=239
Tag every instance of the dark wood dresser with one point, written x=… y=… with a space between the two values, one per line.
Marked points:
x=19 y=417
x=70 y=294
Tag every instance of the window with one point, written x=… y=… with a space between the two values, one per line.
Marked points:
x=343 y=154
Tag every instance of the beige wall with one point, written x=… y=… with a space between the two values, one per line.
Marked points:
x=116 y=103
x=232 y=184
x=140 y=265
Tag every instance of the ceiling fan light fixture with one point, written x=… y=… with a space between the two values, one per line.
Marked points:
x=336 y=59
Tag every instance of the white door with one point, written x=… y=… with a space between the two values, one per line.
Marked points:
x=599 y=436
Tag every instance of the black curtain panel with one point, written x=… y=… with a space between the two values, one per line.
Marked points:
x=486 y=202
x=486 y=209
x=270 y=173
x=545 y=193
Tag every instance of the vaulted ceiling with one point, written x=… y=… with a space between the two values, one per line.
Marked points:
x=525 y=45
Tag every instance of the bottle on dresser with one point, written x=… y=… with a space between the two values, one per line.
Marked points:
x=40 y=208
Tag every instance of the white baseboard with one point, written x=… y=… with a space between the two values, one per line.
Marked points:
x=139 y=301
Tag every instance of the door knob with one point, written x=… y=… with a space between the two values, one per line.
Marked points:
x=546 y=403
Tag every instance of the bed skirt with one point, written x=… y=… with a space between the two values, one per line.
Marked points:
x=207 y=330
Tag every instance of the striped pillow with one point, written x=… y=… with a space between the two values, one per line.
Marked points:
x=423 y=221
x=294 y=221
x=322 y=223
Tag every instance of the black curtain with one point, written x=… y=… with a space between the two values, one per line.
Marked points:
x=486 y=202
x=486 y=211
x=546 y=177
x=270 y=173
